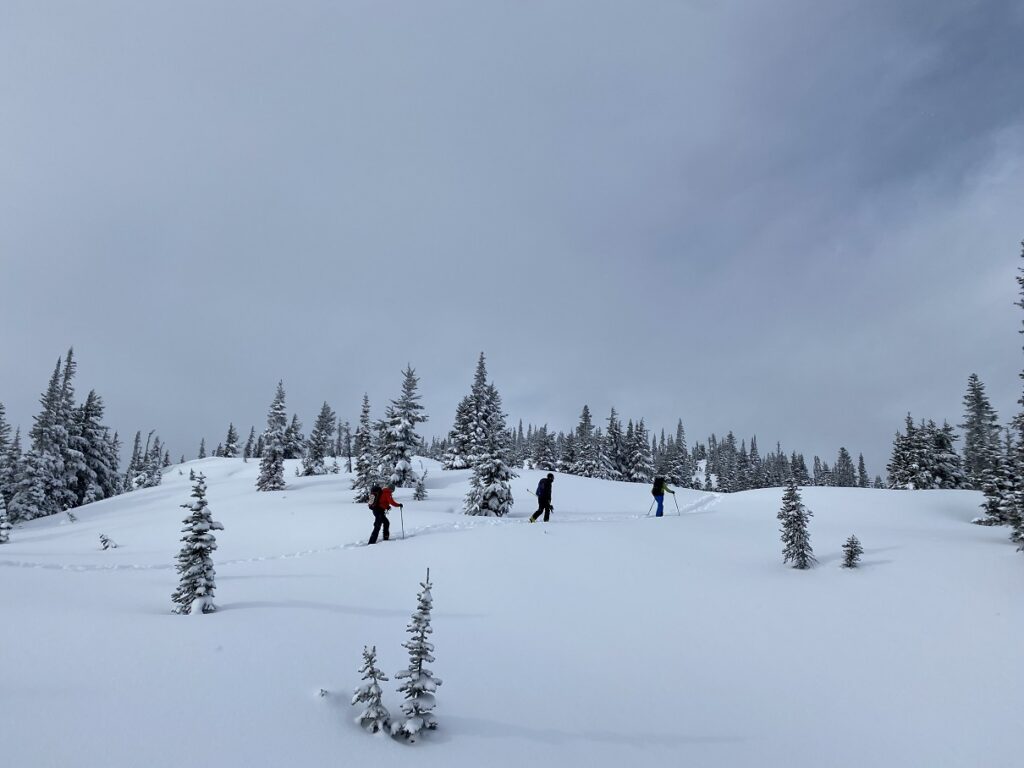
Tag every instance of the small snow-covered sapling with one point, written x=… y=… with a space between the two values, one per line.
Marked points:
x=107 y=543
x=375 y=717
x=852 y=550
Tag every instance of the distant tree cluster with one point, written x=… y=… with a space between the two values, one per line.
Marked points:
x=923 y=457
x=629 y=452
x=72 y=459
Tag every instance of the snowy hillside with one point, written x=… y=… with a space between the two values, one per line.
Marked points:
x=604 y=638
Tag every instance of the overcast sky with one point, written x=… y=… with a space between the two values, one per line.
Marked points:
x=796 y=219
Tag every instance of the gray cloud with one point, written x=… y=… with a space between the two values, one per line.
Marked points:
x=794 y=219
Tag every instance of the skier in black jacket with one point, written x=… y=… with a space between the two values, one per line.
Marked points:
x=543 y=498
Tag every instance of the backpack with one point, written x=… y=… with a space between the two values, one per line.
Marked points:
x=659 y=487
x=374 y=499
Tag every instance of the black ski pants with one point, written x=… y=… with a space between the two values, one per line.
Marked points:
x=543 y=505
x=380 y=517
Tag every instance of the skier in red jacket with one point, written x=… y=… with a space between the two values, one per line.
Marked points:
x=381 y=501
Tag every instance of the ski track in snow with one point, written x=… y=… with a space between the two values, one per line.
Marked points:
x=702 y=505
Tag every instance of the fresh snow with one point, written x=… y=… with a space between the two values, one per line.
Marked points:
x=602 y=638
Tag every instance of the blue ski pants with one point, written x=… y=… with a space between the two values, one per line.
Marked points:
x=661 y=506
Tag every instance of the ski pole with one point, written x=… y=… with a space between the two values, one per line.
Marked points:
x=677 y=505
x=650 y=508
x=401 y=518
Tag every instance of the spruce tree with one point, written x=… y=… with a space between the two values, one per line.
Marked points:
x=230 y=444
x=639 y=463
x=587 y=462
x=271 y=476
x=365 y=470
x=294 y=440
x=420 y=685
x=421 y=488
x=320 y=442
x=202 y=448
x=10 y=458
x=151 y=474
x=796 y=540
x=345 y=436
x=250 y=444
x=457 y=456
x=544 y=456
x=981 y=432
x=844 y=475
x=67 y=437
x=614 y=448
x=5 y=444
x=862 y=472
x=44 y=486
x=567 y=453
x=490 y=489
x=400 y=437
x=375 y=717
x=195 y=566
x=852 y=550
x=5 y=523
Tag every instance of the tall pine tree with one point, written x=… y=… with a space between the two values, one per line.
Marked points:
x=320 y=443
x=271 y=476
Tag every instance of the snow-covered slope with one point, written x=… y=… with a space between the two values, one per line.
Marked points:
x=603 y=638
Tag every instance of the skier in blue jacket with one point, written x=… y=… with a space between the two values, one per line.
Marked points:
x=658 y=491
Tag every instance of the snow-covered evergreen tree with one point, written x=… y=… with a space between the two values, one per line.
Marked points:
x=981 y=432
x=844 y=475
x=321 y=440
x=946 y=468
x=566 y=452
x=152 y=468
x=250 y=445
x=852 y=550
x=756 y=466
x=457 y=456
x=614 y=448
x=5 y=445
x=272 y=460
x=195 y=565
x=587 y=461
x=420 y=685
x=862 y=472
x=903 y=464
x=65 y=434
x=294 y=440
x=5 y=523
x=796 y=539
x=799 y=470
x=400 y=438
x=202 y=448
x=366 y=466
x=639 y=463
x=229 y=449
x=375 y=717
x=544 y=456
x=490 y=490
x=345 y=439
x=10 y=458
x=421 y=487
x=43 y=486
